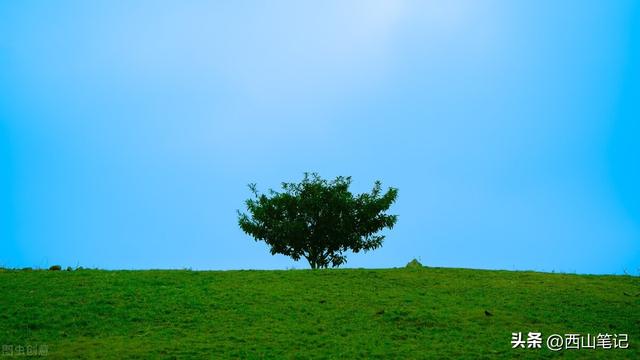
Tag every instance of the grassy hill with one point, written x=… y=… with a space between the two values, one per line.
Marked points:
x=341 y=314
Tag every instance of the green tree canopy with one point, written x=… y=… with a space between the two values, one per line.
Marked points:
x=318 y=219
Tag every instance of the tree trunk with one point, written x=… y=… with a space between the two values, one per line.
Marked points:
x=312 y=262
x=317 y=260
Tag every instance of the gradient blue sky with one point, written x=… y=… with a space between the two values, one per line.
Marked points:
x=128 y=133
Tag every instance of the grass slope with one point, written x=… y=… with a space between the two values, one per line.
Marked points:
x=342 y=314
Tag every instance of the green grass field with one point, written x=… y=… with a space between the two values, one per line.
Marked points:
x=299 y=314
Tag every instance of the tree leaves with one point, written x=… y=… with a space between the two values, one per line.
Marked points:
x=318 y=219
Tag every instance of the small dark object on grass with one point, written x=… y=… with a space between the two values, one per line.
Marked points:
x=488 y=313
x=380 y=312
x=55 y=268
x=323 y=301
x=625 y=294
x=414 y=264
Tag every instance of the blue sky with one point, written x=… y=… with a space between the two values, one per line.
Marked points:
x=128 y=133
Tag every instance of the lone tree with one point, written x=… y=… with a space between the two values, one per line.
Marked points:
x=319 y=219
